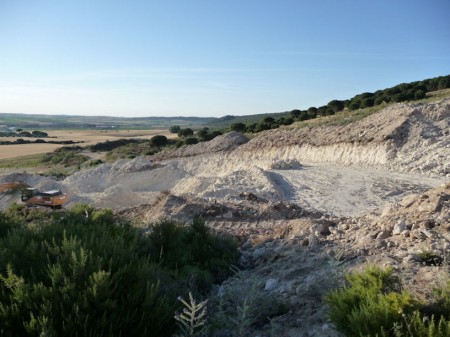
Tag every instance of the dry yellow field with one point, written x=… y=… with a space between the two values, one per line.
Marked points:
x=89 y=137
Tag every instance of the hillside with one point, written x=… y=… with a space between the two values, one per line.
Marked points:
x=403 y=92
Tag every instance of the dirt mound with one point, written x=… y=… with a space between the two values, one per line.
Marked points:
x=226 y=142
x=248 y=207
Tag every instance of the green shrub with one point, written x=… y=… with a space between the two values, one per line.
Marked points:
x=66 y=156
x=85 y=273
x=430 y=258
x=373 y=304
x=79 y=276
x=200 y=257
x=191 y=141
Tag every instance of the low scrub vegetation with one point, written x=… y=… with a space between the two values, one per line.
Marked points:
x=373 y=303
x=86 y=273
x=66 y=156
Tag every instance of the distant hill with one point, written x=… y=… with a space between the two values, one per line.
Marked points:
x=399 y=93
x=30 y=121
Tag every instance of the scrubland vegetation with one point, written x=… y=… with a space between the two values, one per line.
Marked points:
x=86 y=273
x=373 y=303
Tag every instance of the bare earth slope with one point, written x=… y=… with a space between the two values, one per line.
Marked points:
x=402 y=137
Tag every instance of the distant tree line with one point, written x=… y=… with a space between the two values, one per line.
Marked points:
x=187 y=136
x=111 y=144
x=38 y=141
x=25 y=134
x=399 y=93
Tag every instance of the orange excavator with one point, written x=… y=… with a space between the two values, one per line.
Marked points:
x=33 y=197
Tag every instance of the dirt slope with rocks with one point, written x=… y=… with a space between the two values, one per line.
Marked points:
x=402 y=137
x=297 y=256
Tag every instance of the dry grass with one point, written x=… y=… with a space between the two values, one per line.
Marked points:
x=24 y=150
x=89 y=137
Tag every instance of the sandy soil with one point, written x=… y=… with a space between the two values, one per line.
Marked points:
x=348 y=191
x=22 y=150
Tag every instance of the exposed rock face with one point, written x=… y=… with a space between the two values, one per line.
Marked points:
x=402 y=137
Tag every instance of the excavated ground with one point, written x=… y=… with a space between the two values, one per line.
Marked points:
x=306 y=204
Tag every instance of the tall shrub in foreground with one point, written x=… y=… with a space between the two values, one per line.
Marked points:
x=84 y=273
x=79 y=275
x=373 y=304
x=198 y=256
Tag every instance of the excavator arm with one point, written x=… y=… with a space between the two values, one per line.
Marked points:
x=14 y=186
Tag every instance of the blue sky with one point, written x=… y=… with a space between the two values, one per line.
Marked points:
x=212 y=58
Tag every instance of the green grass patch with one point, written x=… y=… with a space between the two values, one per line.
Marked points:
x=28 y=161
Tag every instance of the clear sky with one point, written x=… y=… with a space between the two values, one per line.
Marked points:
x=209 y=57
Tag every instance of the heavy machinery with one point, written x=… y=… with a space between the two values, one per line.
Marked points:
x=33 y=197
x=11 y=187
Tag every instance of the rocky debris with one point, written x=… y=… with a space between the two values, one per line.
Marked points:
x=300 y=260
x=399 y=228
x=186 y=207
x=289 y=164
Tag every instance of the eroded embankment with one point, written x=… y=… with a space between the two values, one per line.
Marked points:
x=403 y=137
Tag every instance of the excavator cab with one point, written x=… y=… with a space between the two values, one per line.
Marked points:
x=28 y=193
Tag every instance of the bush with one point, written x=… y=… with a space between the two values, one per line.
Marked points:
x=354 y=105
x=111 y=145
x=84 y=273
x=373 y=304
x=203 y=134
x=191 y=141
x=159 y=140
x=336 y=105
x=239 y=127
x=200 y=257
x=39 y=134
x=185 y=132
x=174 y=129
x=240 y=305
x=79 y=275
